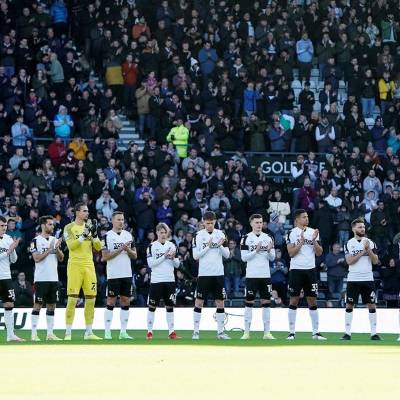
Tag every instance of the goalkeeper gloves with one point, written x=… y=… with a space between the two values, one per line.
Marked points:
x=86 y=230
x=93 y=228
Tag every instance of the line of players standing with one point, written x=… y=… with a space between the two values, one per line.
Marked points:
x=209 y=248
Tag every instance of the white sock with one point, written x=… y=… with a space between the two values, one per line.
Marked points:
x=196 y=319
x=124 y=318
x=50 y=323
x=89 y=330
x=108 y=316
x=348 y=320
x=220 y=321
x=170 y=321
x=150 y=320
x=292 y=320
x=372 y=322
x=68 y=330
x=266 y=313
x=248 y=316
x=314 y=321
x=34 y=323
x=9 y=321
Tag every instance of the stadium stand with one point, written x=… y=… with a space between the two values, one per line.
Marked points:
x=164 y=109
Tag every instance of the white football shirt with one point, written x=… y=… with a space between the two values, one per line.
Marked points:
x=162 y=269
x=210 y=257
x=257 y=263
x=5 y=260
x=361 y=270
x=305 y=258
x=45 y=270
x=120 y=265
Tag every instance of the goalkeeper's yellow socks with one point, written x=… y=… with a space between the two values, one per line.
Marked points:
x=89 y=314
x=70 y=313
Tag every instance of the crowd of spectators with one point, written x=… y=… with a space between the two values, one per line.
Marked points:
x=205 y=81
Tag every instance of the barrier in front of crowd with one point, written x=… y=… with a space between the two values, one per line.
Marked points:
x=331 y=319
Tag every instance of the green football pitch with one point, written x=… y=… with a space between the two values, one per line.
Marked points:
x=163 y=369
x=207 y=338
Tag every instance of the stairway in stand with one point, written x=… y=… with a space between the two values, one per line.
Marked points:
x=128 y=133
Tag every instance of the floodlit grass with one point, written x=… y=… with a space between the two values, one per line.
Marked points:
x=165 y=369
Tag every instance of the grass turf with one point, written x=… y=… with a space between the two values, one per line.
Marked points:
x=206 y=338
x=197 y=372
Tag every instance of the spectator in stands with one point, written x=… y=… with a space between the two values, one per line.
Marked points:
x=233 y=270
x=336 y=268
x=279 y=272
x=20 y=132
x=179 y=136
x=324 y=135
x=391 y=282
x=305 y=53
x=23 y=292
x=63 y=124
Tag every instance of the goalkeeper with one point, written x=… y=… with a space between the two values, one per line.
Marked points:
x=81 y=237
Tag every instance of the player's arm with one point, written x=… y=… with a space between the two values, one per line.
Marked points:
x=223 y=247
x=245 y=253
x=153 y=261
x=107 y=255
x=271 y=250
x=176 y=262
x=131 y=249
x=11 y=253
x=353 y=259
x=317 y=245
x=371 y=251
x=292 y=247
x=198 y=252
x=72 y=241
x=96 y=243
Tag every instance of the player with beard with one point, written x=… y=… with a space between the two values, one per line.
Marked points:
x=360 y=255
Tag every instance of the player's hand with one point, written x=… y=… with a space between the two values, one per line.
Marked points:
x=315 y=234
x=126 y=246
x=366 y=245
x=58 y=243
x=258 y=247
x=86 y=230
x=13 y=246
x=209 y=242
x=171 y=253
x=301 y=238
x=93 y=228
x=270 y=246
x=221 y=242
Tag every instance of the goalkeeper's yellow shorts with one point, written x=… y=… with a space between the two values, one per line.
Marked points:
x=82 y=277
